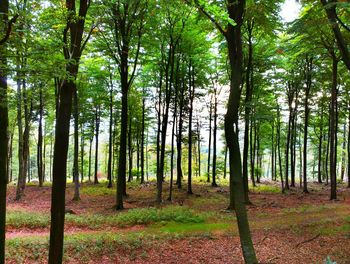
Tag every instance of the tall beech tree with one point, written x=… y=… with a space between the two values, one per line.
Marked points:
x=125 y=23
x=73 y=45
x=6 y=26
x=233 y=36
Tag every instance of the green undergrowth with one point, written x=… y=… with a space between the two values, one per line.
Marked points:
x=97 y=190
x=142 y=216
x=265 y=188
x=85 y=246
x=78 y=246
x=22 y=218
x=195 y=227
x=309 y=208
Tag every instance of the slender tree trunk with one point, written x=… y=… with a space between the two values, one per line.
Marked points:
x=191 y=88
x=143 y=140
x=320 y=150
x=349 y=147
x=172 y=154
x=247 y=109
x=110 y=143
x=279 y=148
x=252 y=152
x=130 y=152
x=199 y=146
x=10 y=156
x=179 y=140
x=328 y=150
x=82 y=145
x=273 y=152
x=287 y=152
x=293 y=140
x=333 y=131
x=258 y=154
x=90 y=155
x=76 y=196
x=40 y=139
x=343 y=156
x=210 y=133
x=214 y=184
x=97 y=126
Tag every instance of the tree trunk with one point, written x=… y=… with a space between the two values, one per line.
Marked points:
x=172 y=154
x=343 y=155
x=349 y=147
x=279 y=147
x=121 y=182
x=333 y=154
x=4 y=6
x=293 y=140
x=40 y=138
x=191 y=98
x=247 y=109
x=225 y=163
x=143 y=140
x=234 y=40
x=287 y=152
x=252 y=152
x=72 y=52
x=90 y=153
x=168 y=87
x=97 y=131
x=110 y=143
x=273 y=151
x=82 y=140
x=21 y=170
x=308 y=73
x=214 y=184
x=199 y=146
x=210 y=132
x=76 y=196
x=179 y=140
x=320 y=150
x=130 y=151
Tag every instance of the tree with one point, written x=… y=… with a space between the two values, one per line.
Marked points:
x=72 y=49
x=232 y=34
x=126 y=31
x=6 y=24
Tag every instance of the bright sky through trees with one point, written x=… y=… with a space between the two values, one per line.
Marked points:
x=290 y=10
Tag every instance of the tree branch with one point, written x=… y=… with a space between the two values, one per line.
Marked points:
x=87 y=38
x=9 y=29
x=216 y=23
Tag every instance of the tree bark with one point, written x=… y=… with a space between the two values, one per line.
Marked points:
x=40 y=139
x=179 y=139
x=349 y=147
x=110 y=143
x=210 y=133
x=143 y=140
x=214 y=184
x=97 y=132
x=76 y=196
x=308 y=75
x=333 y=154
x=4 y=8
x=191 y=88
x=247 y=109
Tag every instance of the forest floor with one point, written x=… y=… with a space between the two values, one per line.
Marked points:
x=286 y=228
